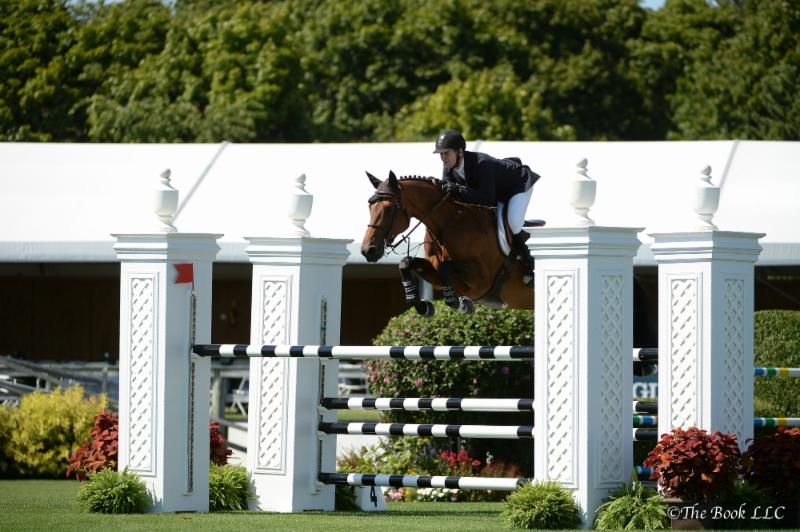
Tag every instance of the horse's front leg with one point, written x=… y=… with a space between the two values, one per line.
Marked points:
x=451 y=297
x=424 y=269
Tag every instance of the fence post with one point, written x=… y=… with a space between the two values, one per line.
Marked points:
x=705 y=323
x=297 y=291
x=163 y=390
x=584 y=336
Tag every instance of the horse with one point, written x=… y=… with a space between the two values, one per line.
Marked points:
x=462 y=255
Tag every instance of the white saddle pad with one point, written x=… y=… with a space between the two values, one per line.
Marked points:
x=502 y=239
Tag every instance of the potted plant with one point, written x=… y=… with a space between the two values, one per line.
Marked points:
x=541 y=505
x=694 y=469
x=639 y=508
x=772 y=463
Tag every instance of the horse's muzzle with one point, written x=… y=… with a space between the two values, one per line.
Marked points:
x=372 y=252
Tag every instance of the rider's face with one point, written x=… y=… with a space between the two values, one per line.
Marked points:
x=449 y=159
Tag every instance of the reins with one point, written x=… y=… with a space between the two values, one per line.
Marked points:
x=406 y=237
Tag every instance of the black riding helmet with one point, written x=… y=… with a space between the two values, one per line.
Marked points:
x=450 y=140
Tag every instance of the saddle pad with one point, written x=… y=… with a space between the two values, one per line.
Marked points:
x=502 y=230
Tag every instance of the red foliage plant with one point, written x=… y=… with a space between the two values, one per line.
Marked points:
x=772 y=463
x=694 y=465
x=101 y=451
x=219 y=446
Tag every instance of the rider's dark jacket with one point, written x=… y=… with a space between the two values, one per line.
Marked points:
x=488 y=180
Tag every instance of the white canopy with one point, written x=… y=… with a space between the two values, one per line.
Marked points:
x=62 y=202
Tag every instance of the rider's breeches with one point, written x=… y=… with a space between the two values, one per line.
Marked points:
x=517 y=207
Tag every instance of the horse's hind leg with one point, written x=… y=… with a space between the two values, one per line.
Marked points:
x=451 y=297
x=425 y=270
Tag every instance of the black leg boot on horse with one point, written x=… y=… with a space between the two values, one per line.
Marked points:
x=423 y=307
x=451 y=298
x=520 y=247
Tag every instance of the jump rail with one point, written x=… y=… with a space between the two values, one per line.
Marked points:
x=419 y=481
x=361 y=352
x=506 y=432
x=441 y=404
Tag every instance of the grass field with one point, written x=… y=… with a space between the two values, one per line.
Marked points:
x=50 y=505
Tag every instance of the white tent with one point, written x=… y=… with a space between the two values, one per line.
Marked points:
x=62 y=202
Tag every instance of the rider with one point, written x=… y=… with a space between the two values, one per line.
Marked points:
x=478 y=178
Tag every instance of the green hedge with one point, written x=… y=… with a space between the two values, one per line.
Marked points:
x=777 y=344
x=44 y=430
x=457 y=378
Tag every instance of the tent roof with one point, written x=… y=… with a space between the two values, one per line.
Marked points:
x=62 y=202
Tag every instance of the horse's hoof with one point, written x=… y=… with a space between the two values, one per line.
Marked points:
x=424 y=308
x=527 y=279
x=466 y=306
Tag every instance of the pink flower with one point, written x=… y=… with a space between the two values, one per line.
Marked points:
x=418 y=382
x=386 y=379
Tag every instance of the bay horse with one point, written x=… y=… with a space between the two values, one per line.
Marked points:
x=462 y=254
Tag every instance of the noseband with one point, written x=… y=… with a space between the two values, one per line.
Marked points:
x=396 y=206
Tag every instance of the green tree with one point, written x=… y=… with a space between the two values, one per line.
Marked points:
x=749 y=87
x=35 y=96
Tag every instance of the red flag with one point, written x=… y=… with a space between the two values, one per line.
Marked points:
x=185 y=274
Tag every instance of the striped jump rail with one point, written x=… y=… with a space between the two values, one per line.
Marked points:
x=776 y=422
x=361 y=352
x=645 y=421
x=640 y=434
x=777 y=372
x=421 y=481
x=504 y=432
x=501 y=432
x=652 y=421
x=645 y=354
x=441 y=404
x=645 y=407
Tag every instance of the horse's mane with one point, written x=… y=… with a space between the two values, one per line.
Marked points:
x=438 y=183
x=432 y=180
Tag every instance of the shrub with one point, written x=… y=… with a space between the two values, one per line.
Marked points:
x=457 y=378
x=101 y=451
x=777 y=344
x=113 y=492
x=228 y=487
x=6 y=429
x=750 y=498
x=695 y=465
x=219 y=446
x=412 y=456
x=346 y=499
x=47 y=427
x=541 y=505
x=772 y=463
x=641 y=508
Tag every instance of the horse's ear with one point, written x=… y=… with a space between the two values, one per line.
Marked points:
x=374 y=180
x=393 y=184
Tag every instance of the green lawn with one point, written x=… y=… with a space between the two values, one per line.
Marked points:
x=50 y=505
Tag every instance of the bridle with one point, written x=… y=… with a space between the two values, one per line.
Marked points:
x=397 y=206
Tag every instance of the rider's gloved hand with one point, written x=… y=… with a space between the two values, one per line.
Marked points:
x=454 y=189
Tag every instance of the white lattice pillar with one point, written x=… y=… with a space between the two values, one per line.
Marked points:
x=705 y=323
x=297 y=292
x=584 y=341
x=705 y=330
x=164 y=391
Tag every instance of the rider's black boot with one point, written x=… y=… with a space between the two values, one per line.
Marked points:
x=525 y=256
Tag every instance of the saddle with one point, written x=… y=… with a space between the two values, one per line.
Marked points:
x=504 y=238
